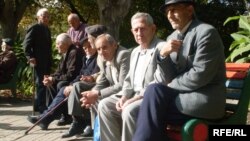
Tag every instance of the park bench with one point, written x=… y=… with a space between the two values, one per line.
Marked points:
x=237 y=102
x=12 y=84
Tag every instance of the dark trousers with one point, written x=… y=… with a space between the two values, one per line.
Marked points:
x=156 y=111
x=61 y=109
x=40 y=97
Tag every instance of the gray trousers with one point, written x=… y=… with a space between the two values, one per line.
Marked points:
x=114 y=125
x=74 y=104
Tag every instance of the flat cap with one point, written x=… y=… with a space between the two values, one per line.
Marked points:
x=169 y=2
x=8 y=41
x=96 y=30
x=81 y=42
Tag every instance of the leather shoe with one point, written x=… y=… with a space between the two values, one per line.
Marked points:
x=75 y=128
x=43 y=126
x=88 y=132
x=32 y=119
x=64 y=120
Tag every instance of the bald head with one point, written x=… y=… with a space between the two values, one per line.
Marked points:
x=74 y=20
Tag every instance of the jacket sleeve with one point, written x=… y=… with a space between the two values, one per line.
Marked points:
x=28 y=42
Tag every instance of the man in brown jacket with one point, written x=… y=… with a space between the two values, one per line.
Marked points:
x=8 y=61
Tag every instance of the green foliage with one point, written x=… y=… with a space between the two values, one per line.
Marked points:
x=240 y=47
x=213 y=13
x=26 y=75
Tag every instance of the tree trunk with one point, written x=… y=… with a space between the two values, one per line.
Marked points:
x=11 y=12
x=112 y=13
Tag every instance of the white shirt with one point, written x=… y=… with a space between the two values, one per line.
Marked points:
x=114 y=72
x=138 y=75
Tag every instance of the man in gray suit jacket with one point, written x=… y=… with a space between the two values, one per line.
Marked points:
x=194 y=71
x=113 y=61
x=118 y=113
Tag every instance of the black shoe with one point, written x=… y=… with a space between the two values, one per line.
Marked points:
x=43 y=126
x=88 y=132
x=32 y=119
x=75 y=128
x=64 y=120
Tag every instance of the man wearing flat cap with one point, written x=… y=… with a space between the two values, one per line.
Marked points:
x=74 y=105
x=8 y=60
x=193 y=64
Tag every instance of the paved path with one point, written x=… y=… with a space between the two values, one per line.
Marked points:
x=13 y=124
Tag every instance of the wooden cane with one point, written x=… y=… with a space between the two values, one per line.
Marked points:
x=49 y=112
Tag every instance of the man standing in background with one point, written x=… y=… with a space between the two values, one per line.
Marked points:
x=76 y=30
x=37 y=48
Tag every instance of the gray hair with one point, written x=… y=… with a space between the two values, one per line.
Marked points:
x=111 y=40
x=41 y=11
x=64 y=38
x=148 y=18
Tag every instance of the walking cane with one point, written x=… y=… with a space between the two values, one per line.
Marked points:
x=33 y=89
x=49 y=112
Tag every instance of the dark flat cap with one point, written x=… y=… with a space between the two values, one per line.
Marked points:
x=169 y=2
x=8 y=41
x=96 y=30
x=81 y=42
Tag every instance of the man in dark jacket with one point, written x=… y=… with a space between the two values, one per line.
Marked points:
x=8 y=61
x=37 y=48
x=89 y=67
x=69 y=65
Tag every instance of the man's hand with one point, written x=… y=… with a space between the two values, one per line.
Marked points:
x=89 y=98
x=123 y=102
x=67 y=90
x=87 y=79
x=32 y=62
x=119 y=105
x=170 y=46
x=47 y=80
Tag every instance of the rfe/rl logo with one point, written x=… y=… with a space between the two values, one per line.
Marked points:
x=229 y=132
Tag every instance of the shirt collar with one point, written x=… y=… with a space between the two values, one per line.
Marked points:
x=185 y=27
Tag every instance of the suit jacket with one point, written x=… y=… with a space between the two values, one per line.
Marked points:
x=69 y=66
x=105 y=83
x=199 y=75
x=88 y=68
x=37 y=44
x=148 y=70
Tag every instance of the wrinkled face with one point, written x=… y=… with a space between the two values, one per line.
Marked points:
x=88 y=49
x=143 y=33
x=4 y=46
x=105 y=49
x=44 y=18
x=74 y=23
x=61 y=47
x=179 y=15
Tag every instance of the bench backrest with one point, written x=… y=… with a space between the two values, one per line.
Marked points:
x=238 y=93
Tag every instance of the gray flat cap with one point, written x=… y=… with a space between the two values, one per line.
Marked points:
x=96 y=30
